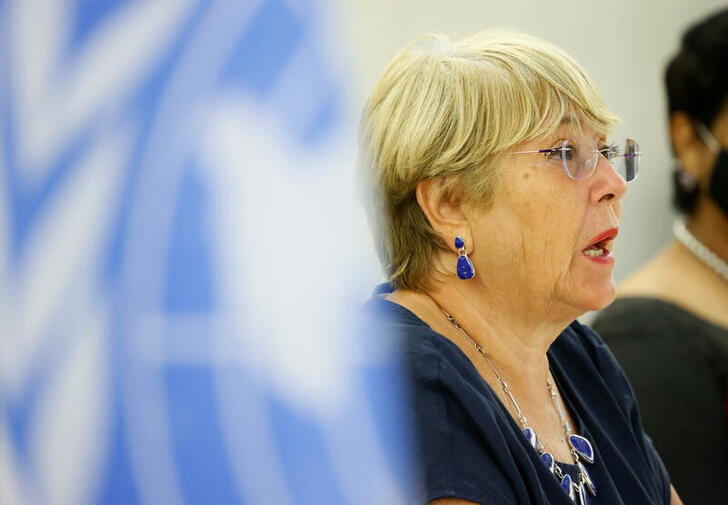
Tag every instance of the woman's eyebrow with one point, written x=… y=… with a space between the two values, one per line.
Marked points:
x=561 y=133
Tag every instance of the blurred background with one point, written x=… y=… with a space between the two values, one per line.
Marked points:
x=183 y=251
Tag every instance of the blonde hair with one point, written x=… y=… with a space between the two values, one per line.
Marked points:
x=450 y=109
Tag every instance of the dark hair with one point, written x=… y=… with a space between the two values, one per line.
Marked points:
x=697 y=83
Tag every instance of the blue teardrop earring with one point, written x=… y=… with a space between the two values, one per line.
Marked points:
x=465 y=268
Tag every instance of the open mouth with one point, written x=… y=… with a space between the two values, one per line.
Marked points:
x=598 y=249
x=602 y=244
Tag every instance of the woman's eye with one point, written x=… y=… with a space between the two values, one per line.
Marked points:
x=609 y=151
x=568 y=151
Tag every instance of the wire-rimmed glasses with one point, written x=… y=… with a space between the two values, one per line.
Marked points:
x=579 y=157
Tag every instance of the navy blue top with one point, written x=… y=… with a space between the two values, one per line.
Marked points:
x=470 y=447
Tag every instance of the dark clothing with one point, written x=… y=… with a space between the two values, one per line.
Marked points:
x=470 y=446
x=678 y=365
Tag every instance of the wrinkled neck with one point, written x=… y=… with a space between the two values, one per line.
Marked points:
x=516 y=335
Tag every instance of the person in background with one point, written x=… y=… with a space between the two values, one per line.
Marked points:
x=669 y=325
x=499 y=194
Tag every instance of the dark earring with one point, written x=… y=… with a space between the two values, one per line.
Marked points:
x=465 y=268
x=686 y=191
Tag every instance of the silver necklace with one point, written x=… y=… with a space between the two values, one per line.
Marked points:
x=579 y=447
x=692 y=244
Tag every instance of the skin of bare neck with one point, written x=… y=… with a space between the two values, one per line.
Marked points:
x=709 y=224
x=515 y=332
x=697 y=289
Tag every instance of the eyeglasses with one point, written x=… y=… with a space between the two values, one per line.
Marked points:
x=579 y=157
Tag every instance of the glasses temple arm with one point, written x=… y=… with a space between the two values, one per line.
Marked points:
x=540 y=151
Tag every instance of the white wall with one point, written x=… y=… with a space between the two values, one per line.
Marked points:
x=624 y=45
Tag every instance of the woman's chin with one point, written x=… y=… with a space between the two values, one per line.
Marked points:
x=593 y=297
x=599 y=297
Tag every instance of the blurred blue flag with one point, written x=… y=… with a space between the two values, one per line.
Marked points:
x=182 y=256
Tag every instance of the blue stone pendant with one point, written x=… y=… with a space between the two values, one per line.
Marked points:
x=530 y=435
x=548 y=460
x=568 y=486
x=582 y=446
x=586 y=479
x=465 y=267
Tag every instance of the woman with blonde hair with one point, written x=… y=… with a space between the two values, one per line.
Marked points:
x=497 y=198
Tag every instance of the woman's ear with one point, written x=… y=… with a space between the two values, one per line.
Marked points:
x=688 y=148
x=444 y=211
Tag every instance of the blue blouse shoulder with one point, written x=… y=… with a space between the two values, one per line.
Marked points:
x=471 y=448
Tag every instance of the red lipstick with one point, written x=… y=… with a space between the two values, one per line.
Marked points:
x=607 y=235
x=600 y=247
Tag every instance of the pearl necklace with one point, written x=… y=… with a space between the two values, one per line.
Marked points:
x=692 y=244
x=580 y=447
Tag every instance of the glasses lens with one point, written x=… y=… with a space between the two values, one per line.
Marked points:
x=631 y=160
x=579 y=157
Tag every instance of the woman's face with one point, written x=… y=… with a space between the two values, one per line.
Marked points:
x=533 y=240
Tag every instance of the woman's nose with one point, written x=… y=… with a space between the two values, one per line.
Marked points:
x=609 y=185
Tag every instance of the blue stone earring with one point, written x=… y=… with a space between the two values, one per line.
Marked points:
x=465 y=267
